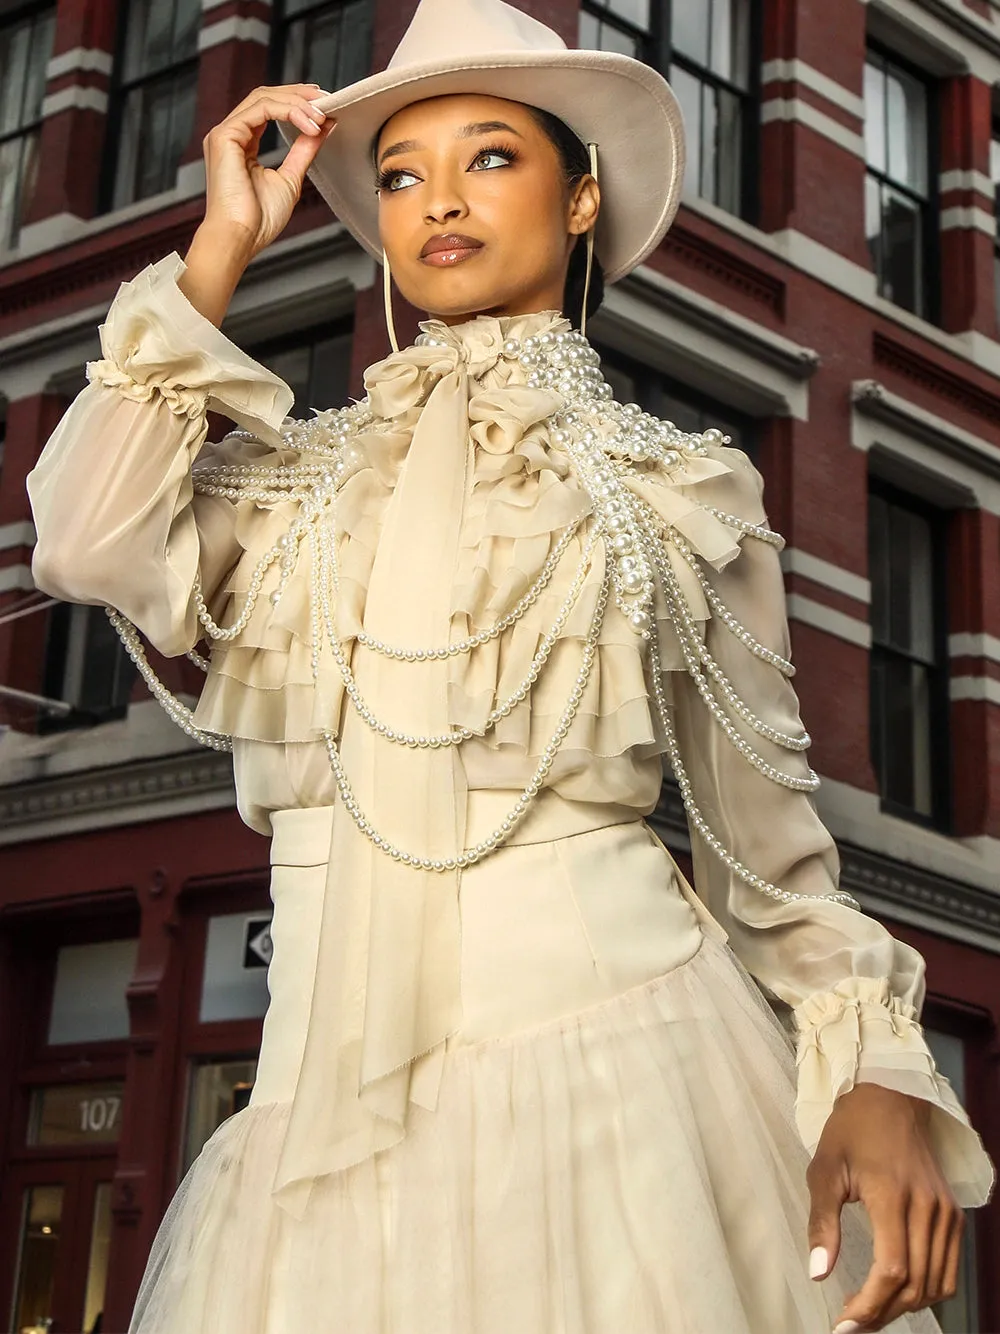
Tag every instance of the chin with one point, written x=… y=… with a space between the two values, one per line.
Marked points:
x=452 y=295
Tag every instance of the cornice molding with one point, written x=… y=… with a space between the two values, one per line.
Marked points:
x=124 y=794
x=911 y=894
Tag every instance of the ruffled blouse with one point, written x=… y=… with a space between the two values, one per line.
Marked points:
x=455 y=433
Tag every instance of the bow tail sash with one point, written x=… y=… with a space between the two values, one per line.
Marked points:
x=387 y=990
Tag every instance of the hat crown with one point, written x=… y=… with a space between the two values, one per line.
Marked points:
x=445 y=29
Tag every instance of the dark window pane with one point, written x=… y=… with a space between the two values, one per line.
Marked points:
x=38 y=59
x=908 y=661
x=730 y=41
x=293 y=365
x=691 y=22
x=327 y=44
x=157 y=121
x=902 y=267
x=688 y=91
x=906 y=124
x=875 y=149
x=15 y=45
x=316 y=369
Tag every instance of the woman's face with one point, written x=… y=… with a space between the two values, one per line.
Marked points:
x=475 y=213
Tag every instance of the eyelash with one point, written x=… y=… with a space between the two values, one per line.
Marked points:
x=385 y=177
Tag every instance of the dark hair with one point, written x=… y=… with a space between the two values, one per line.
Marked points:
x=575 y=161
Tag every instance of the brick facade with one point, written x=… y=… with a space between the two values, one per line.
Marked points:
x=776 y=317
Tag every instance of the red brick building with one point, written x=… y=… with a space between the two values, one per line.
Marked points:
x=828 y=294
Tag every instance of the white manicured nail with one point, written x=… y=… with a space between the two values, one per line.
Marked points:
x=846 y=1327
x=819 y=1261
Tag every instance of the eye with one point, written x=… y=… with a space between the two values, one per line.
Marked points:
x=490 y=158
x=394 y=180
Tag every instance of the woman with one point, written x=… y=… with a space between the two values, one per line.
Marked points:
x=513 y=1077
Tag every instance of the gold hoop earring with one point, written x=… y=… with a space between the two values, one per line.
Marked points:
x=387 y=302
x=592 y=149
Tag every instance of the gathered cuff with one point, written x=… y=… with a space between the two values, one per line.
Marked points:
x=861 y=1033
x=155 y=341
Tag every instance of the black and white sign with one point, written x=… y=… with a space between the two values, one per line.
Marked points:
x=257 y=946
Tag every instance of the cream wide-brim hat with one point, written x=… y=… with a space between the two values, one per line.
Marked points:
x=491 y=48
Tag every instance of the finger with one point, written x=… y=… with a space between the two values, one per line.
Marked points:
x=937 y=1266
x=924 y=1211
x=954 y=1259
x=299 y=157
x=256 y=114
x=306 y=90
x=890 y=1264
x=828 y=1190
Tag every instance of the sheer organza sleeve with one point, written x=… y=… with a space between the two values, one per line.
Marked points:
x=855 y=991
x=116 y=517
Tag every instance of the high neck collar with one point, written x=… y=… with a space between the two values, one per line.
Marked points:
x=483 y=340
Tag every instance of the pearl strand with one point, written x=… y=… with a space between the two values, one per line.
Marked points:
x=697 y=819
x=176 y=711
x=684 y=627
x=699 y=652
x=469 y=856
x=734 y=626
x=525 y=603
x=455 y=736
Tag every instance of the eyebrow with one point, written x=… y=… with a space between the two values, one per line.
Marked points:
x=469 y=131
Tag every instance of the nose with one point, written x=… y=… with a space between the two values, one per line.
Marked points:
x=444 y=201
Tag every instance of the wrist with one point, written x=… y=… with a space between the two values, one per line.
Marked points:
x=214 y=263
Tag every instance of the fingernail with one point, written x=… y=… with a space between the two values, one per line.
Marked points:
x=819 y=1262
x=846 y=1327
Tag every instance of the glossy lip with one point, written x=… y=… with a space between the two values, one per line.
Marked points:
x=451 y=248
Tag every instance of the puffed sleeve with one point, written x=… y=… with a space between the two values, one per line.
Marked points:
x=855 y=991
x=114 y=508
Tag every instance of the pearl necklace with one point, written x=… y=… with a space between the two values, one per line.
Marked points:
x=321 y=591
x=469 y=856
x=604 y=440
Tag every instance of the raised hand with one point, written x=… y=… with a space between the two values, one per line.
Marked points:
x=247 y=205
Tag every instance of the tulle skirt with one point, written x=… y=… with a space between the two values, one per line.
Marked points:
x=630 y=1167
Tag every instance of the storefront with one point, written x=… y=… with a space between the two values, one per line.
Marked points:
x=135 y=1026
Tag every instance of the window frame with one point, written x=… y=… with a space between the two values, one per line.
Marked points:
x=119 y=92
x=940 y=818
x=10 y=229
x=656 y=49
x=930 y=209
x=995 y=174
x=641 y=373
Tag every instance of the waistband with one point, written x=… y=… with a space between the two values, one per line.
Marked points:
x=301 y=836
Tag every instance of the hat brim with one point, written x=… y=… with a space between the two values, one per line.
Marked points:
x=622 y=105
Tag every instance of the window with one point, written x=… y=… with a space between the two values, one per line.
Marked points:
x=706 y=50
x=153 y=97
x=909 y=674
x=327 y=43
x=25 y=48
x=672 y=401
x=900 y=215
x=86 y=666
x=315 y=365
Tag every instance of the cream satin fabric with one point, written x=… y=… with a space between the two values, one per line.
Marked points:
x=461 y=497
x=387 y=980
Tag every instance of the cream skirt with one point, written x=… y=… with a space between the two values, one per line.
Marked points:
x=614 y=1149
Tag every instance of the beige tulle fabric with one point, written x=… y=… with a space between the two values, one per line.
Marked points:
x=456 y=498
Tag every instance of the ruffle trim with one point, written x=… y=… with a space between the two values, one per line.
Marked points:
x=260 y=685
x=861 y=1033
x=154 y=341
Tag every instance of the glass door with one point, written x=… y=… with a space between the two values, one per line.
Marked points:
x=56 y=1219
